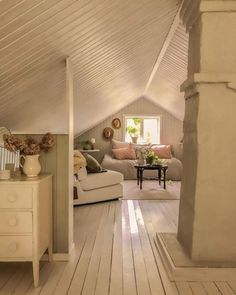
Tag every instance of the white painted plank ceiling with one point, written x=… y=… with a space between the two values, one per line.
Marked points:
x=171 y=73
x=113 y=46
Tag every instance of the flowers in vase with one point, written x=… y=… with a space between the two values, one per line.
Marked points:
x=47 y=142
x=32 y=147
x=151 y=157
x=29 y=146
x=12 y=143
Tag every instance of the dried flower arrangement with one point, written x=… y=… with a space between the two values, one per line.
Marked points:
x=29 y=146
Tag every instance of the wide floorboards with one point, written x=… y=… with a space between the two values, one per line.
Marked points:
x=114 y=254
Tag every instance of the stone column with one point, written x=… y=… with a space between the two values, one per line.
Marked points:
x=207 y=217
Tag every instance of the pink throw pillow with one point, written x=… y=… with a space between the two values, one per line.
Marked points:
x=116 y=144
x=163 y=151
x=125 y=153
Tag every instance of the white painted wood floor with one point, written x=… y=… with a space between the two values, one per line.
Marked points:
x=114 y=254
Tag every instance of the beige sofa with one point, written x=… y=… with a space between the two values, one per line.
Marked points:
x=96 y=187
x=126 y=167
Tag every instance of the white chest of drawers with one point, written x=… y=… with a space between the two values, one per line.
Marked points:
x=26 y=220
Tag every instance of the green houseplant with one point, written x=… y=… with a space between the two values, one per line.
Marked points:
x=151 y=158
x=86 y=144
x=133 y=132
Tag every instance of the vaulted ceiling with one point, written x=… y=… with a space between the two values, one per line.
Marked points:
x=120 y=50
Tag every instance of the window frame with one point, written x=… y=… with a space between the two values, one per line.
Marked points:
x=142 y=116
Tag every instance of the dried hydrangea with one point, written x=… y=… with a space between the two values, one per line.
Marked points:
x=29 y=146
x=13 y=143
x=47 y=142
x=32 y=147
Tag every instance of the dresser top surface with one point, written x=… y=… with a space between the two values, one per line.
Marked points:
x=25 y=179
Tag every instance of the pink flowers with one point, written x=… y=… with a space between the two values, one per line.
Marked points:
x=29 y=146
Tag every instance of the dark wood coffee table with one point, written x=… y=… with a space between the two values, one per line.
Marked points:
x=159 y=167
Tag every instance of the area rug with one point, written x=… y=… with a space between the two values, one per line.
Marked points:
x=151 y=190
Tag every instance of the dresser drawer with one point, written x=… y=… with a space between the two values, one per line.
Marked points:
x=15 y=222
x=15 y=247
x=16 y=197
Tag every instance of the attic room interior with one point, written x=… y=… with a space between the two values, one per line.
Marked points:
x=117 y=147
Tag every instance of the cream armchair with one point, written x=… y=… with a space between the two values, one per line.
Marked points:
x=96 y=187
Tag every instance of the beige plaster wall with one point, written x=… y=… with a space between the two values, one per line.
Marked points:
x=218 y=42
x=215 y=211
x=207 y=218
x=188 y=187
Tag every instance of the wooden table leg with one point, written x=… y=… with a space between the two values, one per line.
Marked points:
x=159 y=175
x=164 y=172
x=137 y=176
x=141 y=178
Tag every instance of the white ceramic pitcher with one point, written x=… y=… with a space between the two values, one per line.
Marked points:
x=31 y=166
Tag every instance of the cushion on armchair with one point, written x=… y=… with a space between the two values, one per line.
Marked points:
x=79 y=161
x=92 y=164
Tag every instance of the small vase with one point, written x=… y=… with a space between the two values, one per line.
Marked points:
x=31 y=166
x=134 y=139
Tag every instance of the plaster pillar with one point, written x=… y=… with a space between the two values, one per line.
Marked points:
x=207 y=216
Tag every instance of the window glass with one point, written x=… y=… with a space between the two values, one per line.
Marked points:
x=142 y=129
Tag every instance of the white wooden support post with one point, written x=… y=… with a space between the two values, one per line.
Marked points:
x=70 y=101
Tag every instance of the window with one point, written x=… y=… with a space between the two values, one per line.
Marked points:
x=142 y=129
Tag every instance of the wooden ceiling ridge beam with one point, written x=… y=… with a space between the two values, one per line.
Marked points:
x=163 y=50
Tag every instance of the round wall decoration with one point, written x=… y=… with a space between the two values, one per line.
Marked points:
x=116 y=123
x=108 y=133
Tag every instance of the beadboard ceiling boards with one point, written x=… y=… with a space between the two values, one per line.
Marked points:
x=171 y=73
x=112 y=44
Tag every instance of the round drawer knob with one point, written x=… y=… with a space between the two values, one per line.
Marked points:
x=12 y=198
x=12 y=221
x=12 y=247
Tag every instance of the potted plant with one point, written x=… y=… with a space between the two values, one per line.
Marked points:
x=151 y=158
x=133 y=132
x=86 y=144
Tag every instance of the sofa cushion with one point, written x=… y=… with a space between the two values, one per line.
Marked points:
x=95 y=181
x=163 y=151
x=126 y=167
x=125 y=153
x=79 y=161
x=92 y=164
x=116 y=144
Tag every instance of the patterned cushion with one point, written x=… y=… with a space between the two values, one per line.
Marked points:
x=125 y=153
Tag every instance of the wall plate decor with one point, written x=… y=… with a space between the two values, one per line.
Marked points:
x=116 y=123
x=108 y=133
